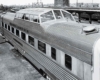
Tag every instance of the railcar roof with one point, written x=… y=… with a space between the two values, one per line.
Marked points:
x=9 y=16
x=72 y=32
x=36 y=11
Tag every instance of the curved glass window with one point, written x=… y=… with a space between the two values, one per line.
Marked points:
x=57 y=14
x=47 y=16
x=34 y=18
x=68 y=16
x=19 y=15
x=31 y=17
x=27 y=17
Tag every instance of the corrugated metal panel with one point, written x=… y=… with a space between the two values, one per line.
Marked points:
x=58 y=71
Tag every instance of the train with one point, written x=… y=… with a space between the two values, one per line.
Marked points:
x=95 y=16
x=51 y=39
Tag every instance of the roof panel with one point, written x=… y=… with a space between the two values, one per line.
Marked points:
x=34 y=10
x=9 y=16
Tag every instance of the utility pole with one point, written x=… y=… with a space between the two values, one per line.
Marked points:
x=76 y=3
x=41 y=3
x=92 y=3
x=37 y=1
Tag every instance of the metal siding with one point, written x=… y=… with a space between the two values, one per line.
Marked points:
x=69 y=46
x=55 y=69
x=78 y=67
x=87 y=72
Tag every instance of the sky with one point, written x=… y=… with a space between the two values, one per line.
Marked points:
x=25 y=2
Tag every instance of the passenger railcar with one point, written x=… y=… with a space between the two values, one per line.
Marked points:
x=55 y=43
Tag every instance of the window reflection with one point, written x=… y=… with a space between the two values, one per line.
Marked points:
x=47 y=16
x=67 y=16
x=57 y=14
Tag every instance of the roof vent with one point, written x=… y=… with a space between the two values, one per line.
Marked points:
x=89 y=30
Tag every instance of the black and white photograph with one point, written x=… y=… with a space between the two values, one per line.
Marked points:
x=49 y=40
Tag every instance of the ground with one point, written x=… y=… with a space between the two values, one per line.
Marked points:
x=15 y=67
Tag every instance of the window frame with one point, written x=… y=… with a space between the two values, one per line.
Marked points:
x=43 y=46
x=13 y=30
x=2 y=24
x=18 y=33
x=33 y=44
x=46 y=13
x=24 y=17
x=53 y=53
x=68 y=62
x=69 y=14
x=23 y=38
x=5 y=26
x=60 y=14
x=9 y=28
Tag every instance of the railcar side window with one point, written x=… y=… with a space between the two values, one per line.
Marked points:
x=53 y=53
x=58 y=14
x=31 y=40
x=2 y=24
x=17 y=32
x=68 y=61
x=8 y=27
x=42 y=46
x=47 y=16
x=23 y=36
x=12 y=30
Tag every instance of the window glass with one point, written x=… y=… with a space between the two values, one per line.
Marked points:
x=33 y=18
x=2 y=24
x=53 y=53
x=19 y=15
x=57 y=14
x=42 y=46
x=68 y=61
x=8 y=27
x=17 y=32
x=23 y=16
x=47 y=16
x=68 y=16
x=23 y=36
x=12 y=30
x=27 y=17
x=31 y=40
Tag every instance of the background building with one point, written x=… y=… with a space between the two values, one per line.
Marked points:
x=62 y=3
